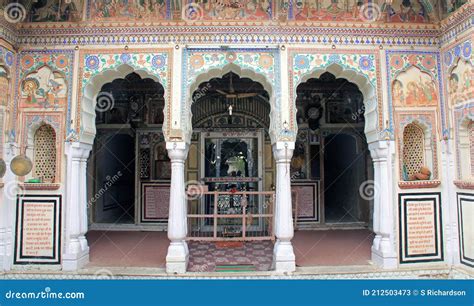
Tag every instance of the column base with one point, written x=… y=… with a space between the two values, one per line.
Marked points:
x=74 y=262
x=384 y=260
x=284 y=257
x=177 y=258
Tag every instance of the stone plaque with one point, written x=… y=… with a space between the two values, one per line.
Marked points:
x=466 y=227
x=155 y=202
x=420 y=228
x=306 y=196
x=38 y=229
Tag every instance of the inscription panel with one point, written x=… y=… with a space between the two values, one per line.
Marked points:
x=466 y=227
x=306 y=197
x=155 y=199
x=38 y=224
x=420 y=227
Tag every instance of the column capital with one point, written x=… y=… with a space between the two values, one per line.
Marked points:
x=177 y=150
x=283 y=151
x=78 y=150
x=380 y=150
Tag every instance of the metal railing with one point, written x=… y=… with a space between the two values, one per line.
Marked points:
x=231 y=216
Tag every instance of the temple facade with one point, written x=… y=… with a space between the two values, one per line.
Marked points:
x=278 y=129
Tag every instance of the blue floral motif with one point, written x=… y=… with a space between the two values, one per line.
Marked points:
x=467 y=49
x=301 y=62
x=448 y=58
x=457 y=51
x=158 y=61
x=334 y=58
x=366 y=63
x=92 y=62
x=9 y=58
x=125 y=58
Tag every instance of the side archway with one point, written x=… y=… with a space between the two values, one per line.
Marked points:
x=367 y=89
x=87 y=129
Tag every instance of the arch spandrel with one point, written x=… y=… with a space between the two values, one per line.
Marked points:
x=261 y=66
x=360 y=69
x=101 y=67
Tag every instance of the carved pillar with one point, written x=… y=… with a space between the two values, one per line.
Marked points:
x=76 y=251
x=177 y=257
x=283 y=255
x=383 y=250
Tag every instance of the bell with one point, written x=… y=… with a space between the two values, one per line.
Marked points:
x=21 y=165
x=3 y=168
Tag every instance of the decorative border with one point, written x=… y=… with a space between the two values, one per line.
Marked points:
x=55 y=257
x=403 y=200
x=144 y=185
x=435 y=73
x=468 y=198
x=364 y=62
x=156 y=62
x=316 y=201
x=428 y=118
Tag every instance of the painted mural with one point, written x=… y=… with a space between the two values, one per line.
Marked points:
x=414 y=80
x=44 y=79
x=56 y=10
x=128 y=9
x=44 y=88
x=359 y=10
x=461 y=83
x=414 y=88
x=4 y=86
x=459 y=62
x=227 y=9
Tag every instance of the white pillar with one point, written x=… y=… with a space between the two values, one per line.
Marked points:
x=178 y=254
x=448 y=202
x=283 y=255
x=383 y=249
x=7 y=210
x=76 y=250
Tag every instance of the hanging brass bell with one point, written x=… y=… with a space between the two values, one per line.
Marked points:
x=21 y=165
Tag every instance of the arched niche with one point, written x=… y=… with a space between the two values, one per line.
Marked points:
x=414 y=88
x=368 y=91
x=465 y=150
x=460 y=82
x=92 y=89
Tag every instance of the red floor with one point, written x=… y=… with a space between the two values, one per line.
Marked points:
x=332 y=247
x=148 y=249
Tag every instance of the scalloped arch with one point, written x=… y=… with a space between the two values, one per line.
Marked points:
x=91 y=90
x=368 y=91
x=243 y=73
